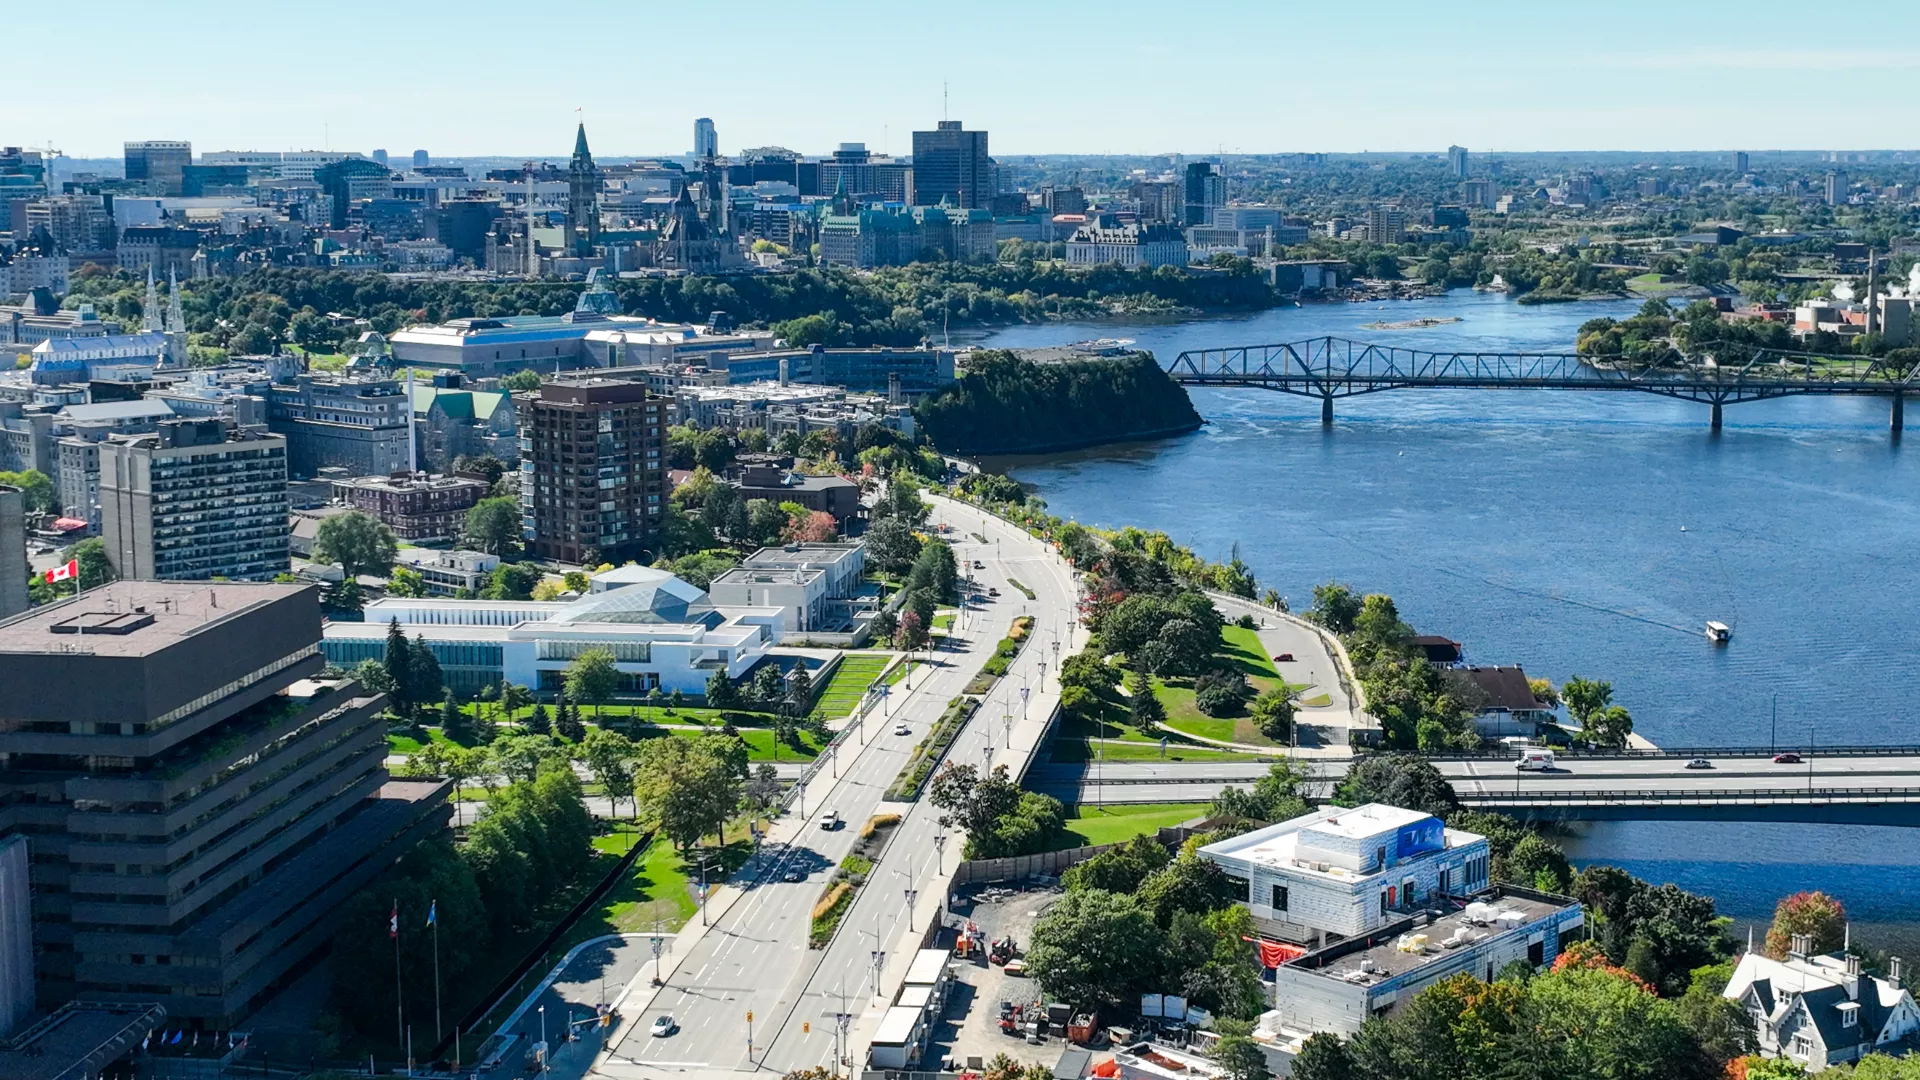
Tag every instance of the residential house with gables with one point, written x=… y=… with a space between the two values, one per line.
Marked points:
x=1824 y=1010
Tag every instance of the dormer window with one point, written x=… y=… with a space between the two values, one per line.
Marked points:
x=1849 y=1014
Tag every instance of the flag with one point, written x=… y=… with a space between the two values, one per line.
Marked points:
x=393 y=921
x=433 y=911
x=61 y=573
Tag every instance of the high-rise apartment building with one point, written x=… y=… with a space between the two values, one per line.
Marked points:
x=1202 y=193
x=1740 y=162
x=706 y=139
x=593 y=474
x=1386 y=225
x=1837 y=187
x=164 y=161
x=421 y=159
x=197 y=799
x=195 y=500
x=952 y=163
x=1457 y=162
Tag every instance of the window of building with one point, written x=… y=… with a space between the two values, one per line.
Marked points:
x=1849 y=1016
x=1279 y=898
x=1537 y=953
x=1802 y=1046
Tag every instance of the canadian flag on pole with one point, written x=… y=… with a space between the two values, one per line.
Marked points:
x=61 y=573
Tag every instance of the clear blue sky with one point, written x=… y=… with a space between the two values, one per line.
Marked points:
x=481 y=77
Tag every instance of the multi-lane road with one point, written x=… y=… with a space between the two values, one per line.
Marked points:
x=754 y=958
x=1497 y=778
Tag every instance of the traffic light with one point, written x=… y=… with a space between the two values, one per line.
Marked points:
x=749 y=1016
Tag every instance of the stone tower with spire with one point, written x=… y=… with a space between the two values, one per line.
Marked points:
x=583 y=196
x=176 y=325
x=150 y=306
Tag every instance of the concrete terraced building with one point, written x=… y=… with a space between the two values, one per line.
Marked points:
x=197 y=801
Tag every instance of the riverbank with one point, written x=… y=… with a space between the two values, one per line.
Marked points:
x=1545 y=528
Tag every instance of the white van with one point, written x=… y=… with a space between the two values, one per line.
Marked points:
x=1535 y=759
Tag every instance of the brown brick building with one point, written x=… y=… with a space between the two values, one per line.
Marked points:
x=415 y=506
x=593 y=469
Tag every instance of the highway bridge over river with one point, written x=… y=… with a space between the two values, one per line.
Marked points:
x=1716 y=374
x=1853 y=785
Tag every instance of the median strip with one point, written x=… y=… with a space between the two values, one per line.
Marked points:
x=851 y=874
x=913 y=775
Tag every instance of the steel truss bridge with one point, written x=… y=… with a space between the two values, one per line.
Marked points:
x=1716 y=374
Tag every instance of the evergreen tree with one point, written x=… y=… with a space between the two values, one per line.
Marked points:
x=539 y=723
x=424 y=680
x=453 y=720
x=567 y=723
x=399 y=665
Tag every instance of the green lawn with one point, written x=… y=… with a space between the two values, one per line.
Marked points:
x=659 y=892
x=850 y=680
x=1090 y=825
x=760 y=745
x=402 y=743
x=1241 y=650
x=1078 y=750
x=943 y=622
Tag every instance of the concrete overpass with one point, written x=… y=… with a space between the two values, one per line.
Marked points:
x=1858 y=786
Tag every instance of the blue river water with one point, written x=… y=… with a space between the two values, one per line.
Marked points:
x=1575 y=533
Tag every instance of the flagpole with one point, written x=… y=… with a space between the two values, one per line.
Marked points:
x=433 y=913
x=399 y=1009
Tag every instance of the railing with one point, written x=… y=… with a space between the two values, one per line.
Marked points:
x=1838 y=750
x=1336 y=367
x=1696 y=796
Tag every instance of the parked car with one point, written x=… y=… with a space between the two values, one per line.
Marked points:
x=1699 y=763
x=1786 y=759
x=1285 y=658
x=662 y=1027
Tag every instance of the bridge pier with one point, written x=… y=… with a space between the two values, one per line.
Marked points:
x=1326 y=411
x=1898 y=420
x=1716 y=418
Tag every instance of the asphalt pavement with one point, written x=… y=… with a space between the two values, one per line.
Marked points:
x=754 y=958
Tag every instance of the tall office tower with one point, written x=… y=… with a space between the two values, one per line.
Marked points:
x=706 y=140
x=198 y=799
x=583 y=197
x=593 y=483
x=421 y=159
x=1740 y=162
x=1203 y=192
x=950 y=163
x=1457 y=162
x=195 y=500
x=13 y=554
x=163 y=160
x=1837 y=186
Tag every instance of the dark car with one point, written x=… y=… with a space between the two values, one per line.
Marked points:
x=1285 y=658
x=1786 y=759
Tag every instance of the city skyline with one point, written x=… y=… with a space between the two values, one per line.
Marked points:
x=1690 y=85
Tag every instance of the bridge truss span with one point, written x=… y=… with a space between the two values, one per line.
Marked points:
x=1328 y=368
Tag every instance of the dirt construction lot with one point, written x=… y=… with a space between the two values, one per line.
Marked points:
x=970 y=1032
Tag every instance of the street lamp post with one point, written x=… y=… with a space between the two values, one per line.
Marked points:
x=912 y=895
x=546 y=1052
x=940 y=852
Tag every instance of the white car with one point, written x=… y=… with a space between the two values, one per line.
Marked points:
x=902 y=729
x=662 y=1027
x=830 y=820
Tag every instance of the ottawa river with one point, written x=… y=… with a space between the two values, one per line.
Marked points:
x=1575 y=533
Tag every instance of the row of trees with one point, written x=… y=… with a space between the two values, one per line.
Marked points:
x=1137 y=919
x=531 y=842
x=1429 y=708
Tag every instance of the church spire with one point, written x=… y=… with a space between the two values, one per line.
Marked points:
x=150 y=308
x=580 y=151
x=176 y=313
